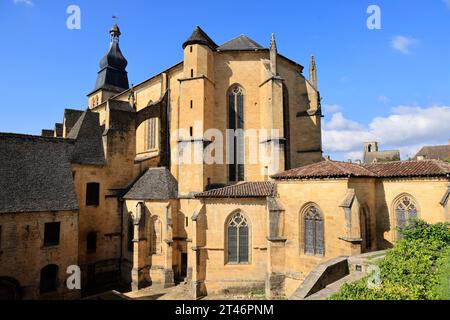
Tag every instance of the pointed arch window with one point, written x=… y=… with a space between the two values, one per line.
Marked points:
x=236 y=124
x=313 y=231
x=152 y=133
x=238 y=239
x=405 y=211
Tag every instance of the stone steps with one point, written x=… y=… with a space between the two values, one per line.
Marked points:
x=335 y=286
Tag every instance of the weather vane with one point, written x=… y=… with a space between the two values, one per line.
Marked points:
x=115 y=17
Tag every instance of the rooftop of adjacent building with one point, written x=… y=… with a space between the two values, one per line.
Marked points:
x=440 y=152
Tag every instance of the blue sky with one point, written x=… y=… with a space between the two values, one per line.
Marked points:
x=390 y=85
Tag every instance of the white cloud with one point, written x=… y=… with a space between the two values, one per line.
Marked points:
x=403 y=44
x=25 y=2
x=407 y=128
x=333 y=108
x=338 y=122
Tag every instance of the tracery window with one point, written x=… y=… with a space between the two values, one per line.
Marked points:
x=313 y=231
x=405 y=211
x=238 y=239
x=236 y=124
x=152 y=133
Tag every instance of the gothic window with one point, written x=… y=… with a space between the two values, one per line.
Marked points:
x=92 y=194
x=286 y=128
x=152 y=132
x=236 y=124
x=49 y=278
x=238 y=239
x=91 y=242
x=51 y=234
x=405 y=211
x=313 y=231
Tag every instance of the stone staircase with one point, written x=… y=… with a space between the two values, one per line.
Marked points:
x=327 y=278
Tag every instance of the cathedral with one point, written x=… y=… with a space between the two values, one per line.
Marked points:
x=117 y=188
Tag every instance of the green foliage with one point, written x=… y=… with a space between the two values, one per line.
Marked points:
x=417 y=268
x=442 y=290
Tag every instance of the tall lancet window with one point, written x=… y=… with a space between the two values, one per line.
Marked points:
x=236 y=155
x=313 y=231
x=405 y=211
x=152 y=134
x=238 y=239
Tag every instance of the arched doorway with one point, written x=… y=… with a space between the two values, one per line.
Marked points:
x=9 y=289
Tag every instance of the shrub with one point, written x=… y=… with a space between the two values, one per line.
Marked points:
x=417 y=268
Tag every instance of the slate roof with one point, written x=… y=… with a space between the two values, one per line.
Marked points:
x=241 y=43
x=71 y=117
x=112 y=75
x=425 y=168
x=325 y=169
x=241 y=190
x=35 y=174
x=59 y=129
x=381 y=156
x=434 y=152
x=88 y=147
x=335 y=169
x=154 y=184
x=47 y=133
x=199 y=36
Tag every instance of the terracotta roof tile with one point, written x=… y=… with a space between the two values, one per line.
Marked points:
x=334 y=169
x=325 y=169
x=241 y=190
x=423 y=168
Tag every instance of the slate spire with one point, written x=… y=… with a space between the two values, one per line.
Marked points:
x=113 y=75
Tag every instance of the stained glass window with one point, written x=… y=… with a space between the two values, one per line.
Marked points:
x=313 y=232
x=238 y=239
x=405 y=211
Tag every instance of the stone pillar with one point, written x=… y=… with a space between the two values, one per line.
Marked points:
x=276 y=242
x=139 y=273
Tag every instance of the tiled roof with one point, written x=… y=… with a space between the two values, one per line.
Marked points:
x=241 y=190
x=241 y=43
x=334 y=169
x=89 y=144
x=425 y=168
x=434 y=152
x=325 y=169
x=154 y=184
x=35 y=174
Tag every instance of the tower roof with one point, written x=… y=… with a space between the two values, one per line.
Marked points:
x=112 y=75
x=199 y=36
x=241 y=43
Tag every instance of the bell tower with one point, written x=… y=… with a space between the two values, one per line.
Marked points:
x=112 y=77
